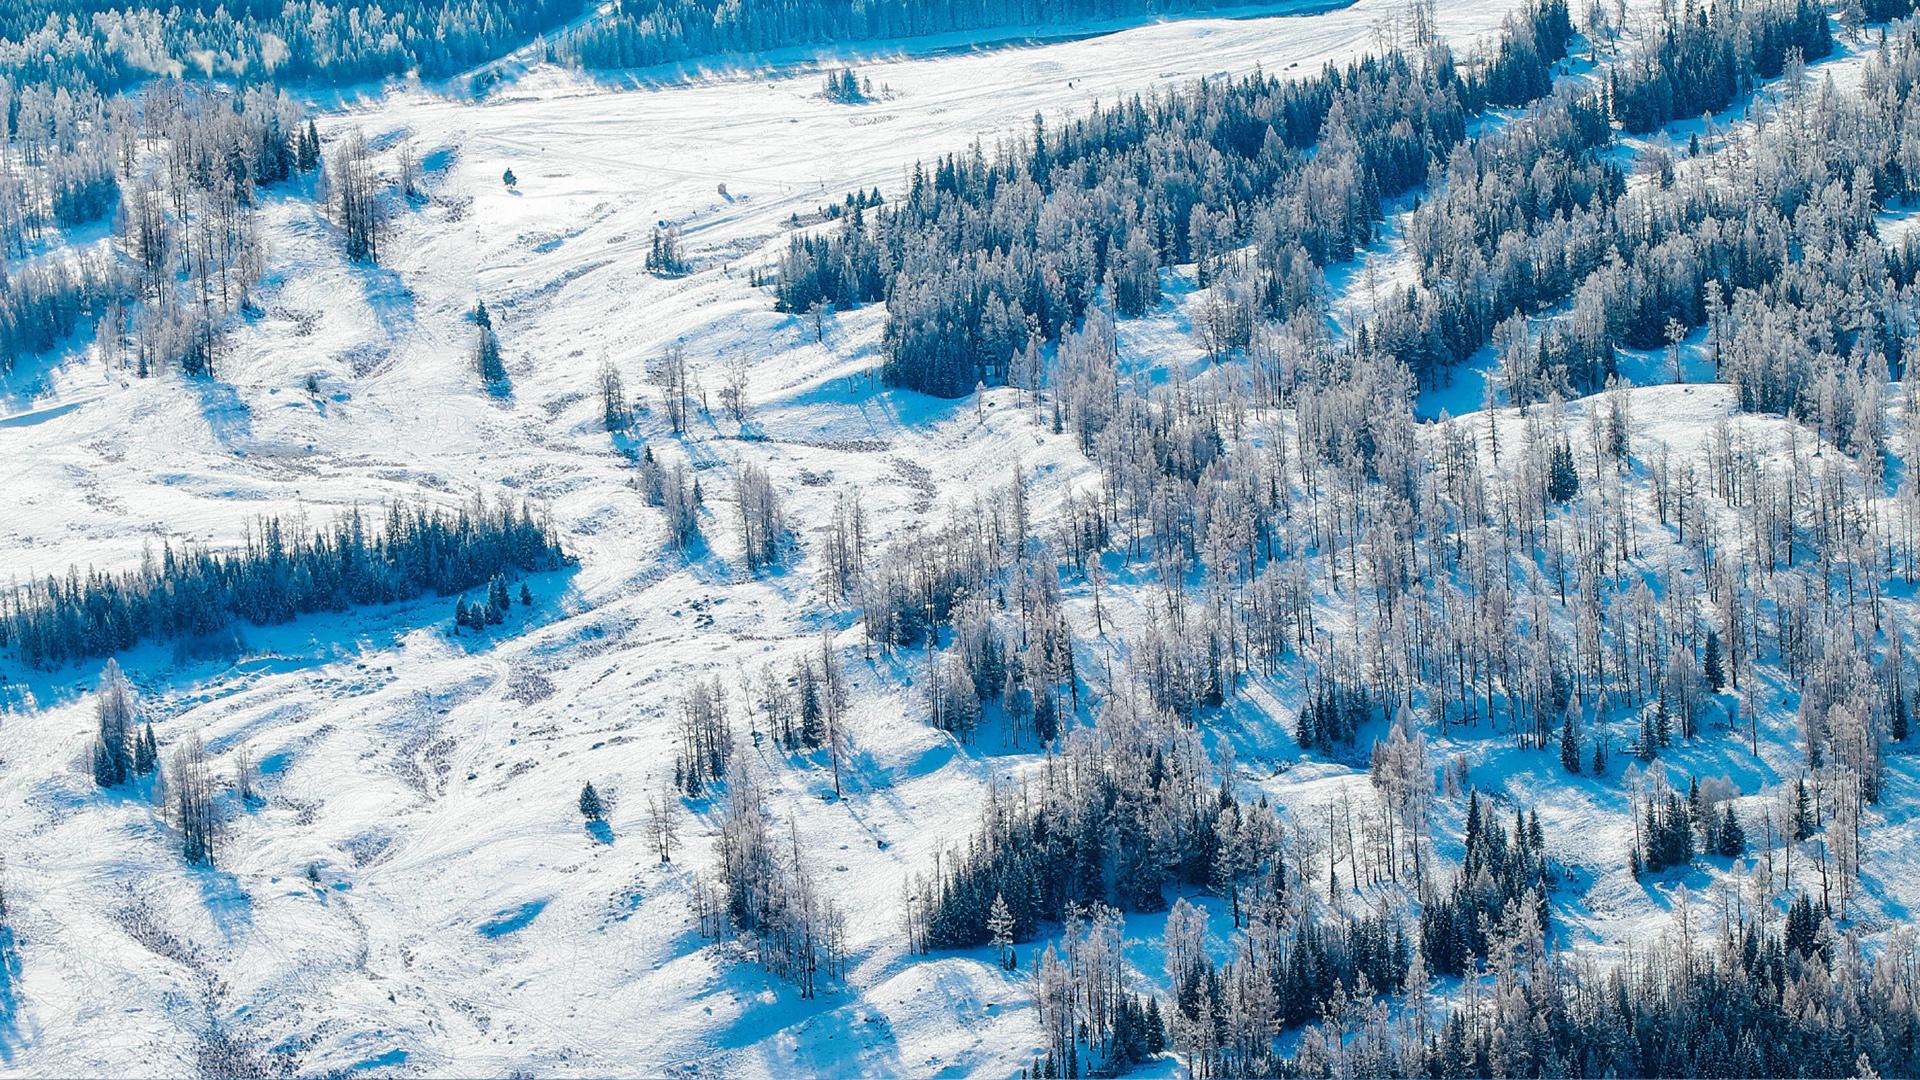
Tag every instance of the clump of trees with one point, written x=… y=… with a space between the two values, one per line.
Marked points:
x=844 y=87
x=123 y=750
x=487 y=361
x=664 y=256
x=763 y=527
x=763 y=889
x=180 y=176
x=706 y=737
x=279 y=572
x=1504 y=875
x=491 y=611
x=357 y=197
x=190 y=793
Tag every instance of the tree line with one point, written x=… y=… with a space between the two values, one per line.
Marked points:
x=279 y=572
x=983 y=256
x=642 y=33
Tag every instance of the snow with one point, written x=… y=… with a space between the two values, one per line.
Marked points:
x=417 y=892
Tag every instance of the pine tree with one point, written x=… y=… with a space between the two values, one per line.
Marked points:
x=146 y=752
x=1156 y=1028
x=1803 y=927
x=1803 y=823
x=113 y=750
x=1563 y=478
x=509 y=179
x=1570 y=742
x=487 y=360
x=307 y=154
x=1600 y=756
x=1000 y=925
x=590 y=806
x=1713 y=664
x=1732 y=838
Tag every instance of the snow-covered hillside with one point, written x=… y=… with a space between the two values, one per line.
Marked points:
x=414 y=890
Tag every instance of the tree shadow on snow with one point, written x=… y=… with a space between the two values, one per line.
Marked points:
x=226 y=902
x=9 y=996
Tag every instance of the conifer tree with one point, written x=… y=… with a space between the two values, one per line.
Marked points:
x=113 y=750
x=1803 y=823
x=487 y=360
x=1563 y=478
x=146 y=752
x=1570 y=742
x=1000 y=926
x=590 y=806
x=1732 y=838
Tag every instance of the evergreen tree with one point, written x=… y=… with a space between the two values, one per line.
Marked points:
x=1563 y=478
x=590 y=806
x=487 y=360
x=1713 y=663
x=113 y=748
x=1803 y=822
x=1732 y=838
x=146 y=752
x=1570 y=741
x=307 y=154
x=1000 y=926
x=1803 y=927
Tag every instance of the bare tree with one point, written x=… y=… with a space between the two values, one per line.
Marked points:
x=663 y=824
x=733 y=394
x=669 y=373
x=190 y=786
x=613 y=398
x=761 y=523
x=354 y=189
x=246 y=774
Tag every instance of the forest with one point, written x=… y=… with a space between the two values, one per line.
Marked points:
x=280 y=572
x=1582 y=581
x=982 y=260
x=1489 y=580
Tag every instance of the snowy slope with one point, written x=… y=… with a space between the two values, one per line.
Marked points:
x=418 y=894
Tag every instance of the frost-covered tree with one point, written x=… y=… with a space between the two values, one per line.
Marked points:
x=114 y=743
